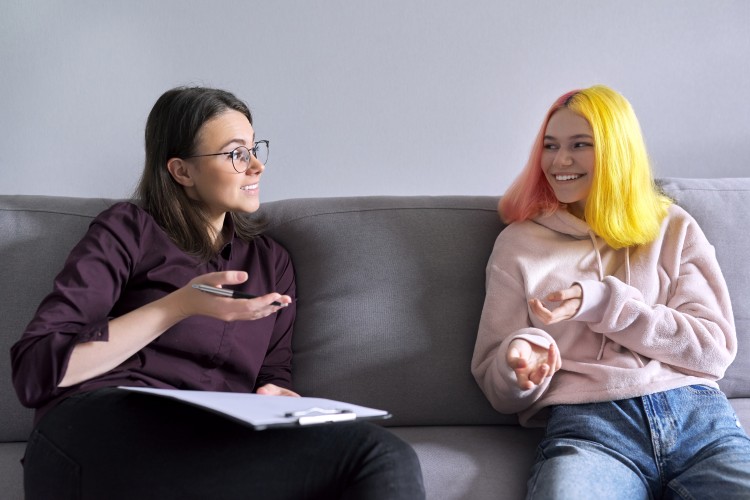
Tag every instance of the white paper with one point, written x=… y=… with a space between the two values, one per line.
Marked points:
x=262 y=411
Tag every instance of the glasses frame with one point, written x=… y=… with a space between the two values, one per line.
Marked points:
x=230 y=154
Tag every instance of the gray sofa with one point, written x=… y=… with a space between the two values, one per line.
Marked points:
x=390 y=293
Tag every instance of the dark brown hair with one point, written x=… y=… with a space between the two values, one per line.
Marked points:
x=172 y=131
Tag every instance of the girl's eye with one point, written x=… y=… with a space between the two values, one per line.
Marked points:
x=582 y=145
x=550 y=146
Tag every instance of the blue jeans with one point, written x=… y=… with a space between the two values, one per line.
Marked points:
x=684 y=443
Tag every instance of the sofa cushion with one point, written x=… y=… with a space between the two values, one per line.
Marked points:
x=722 y=208
x=390 y=293
x=470 y=462
x=11 y=470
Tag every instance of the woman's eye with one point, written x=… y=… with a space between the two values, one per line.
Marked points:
x=582 y=145
x=550 y=146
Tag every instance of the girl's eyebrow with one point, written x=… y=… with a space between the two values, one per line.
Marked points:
x=577 y=136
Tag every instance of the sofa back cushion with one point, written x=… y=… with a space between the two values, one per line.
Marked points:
x=722 y=208
x=390 y=293
x=37 y=233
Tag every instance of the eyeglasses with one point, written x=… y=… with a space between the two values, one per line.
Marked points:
x=241 y=155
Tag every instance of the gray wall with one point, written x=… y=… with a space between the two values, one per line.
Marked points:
x=378 y=97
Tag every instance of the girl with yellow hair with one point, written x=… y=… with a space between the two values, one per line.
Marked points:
x=607 y=319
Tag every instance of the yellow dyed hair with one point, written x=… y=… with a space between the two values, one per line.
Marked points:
x=624 y=206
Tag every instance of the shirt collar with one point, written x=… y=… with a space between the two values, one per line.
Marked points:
x=228 y=229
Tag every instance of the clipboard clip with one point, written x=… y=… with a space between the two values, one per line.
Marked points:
x=317 y=415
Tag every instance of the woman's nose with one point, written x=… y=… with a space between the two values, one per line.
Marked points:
x=255 y=166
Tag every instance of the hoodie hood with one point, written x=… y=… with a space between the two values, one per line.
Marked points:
x=562 y=221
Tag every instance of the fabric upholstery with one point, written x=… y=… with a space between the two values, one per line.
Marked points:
x=390 y=292
x=722 y=208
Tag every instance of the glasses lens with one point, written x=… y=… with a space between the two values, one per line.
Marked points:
x=241 y=159
x=261 y=151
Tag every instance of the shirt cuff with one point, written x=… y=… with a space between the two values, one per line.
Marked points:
x=95 y=332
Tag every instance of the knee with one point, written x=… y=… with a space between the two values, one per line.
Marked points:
x=407 y=455
x=393 y=445
x=403 y=454
x=398 y=453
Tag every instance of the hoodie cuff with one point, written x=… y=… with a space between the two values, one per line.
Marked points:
x=537 y=340
x=594 y=301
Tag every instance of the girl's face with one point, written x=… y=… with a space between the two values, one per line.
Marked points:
x=214 y=181
x=568 y=159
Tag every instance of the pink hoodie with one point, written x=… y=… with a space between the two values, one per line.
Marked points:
x=653 y=318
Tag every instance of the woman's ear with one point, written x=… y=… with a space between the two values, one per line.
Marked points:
x=178 y=169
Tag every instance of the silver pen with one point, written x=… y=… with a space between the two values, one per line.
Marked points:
x=225 y=292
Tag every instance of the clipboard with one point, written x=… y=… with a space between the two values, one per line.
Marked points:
x=264 y=412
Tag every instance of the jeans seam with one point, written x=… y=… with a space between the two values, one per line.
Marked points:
x=654 y=432
x=704 y=391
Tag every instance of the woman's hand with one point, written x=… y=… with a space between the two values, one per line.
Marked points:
x=275 y=390
x=130 y=332
x=531 y=362
x=570 y=301
x=194 y=302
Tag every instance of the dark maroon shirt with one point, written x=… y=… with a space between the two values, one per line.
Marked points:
x=126 y=260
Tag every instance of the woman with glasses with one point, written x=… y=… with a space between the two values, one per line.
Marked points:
x=124 y=312
x=607 y=319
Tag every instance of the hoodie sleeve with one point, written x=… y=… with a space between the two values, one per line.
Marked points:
x=505 y=317
x=691 y=327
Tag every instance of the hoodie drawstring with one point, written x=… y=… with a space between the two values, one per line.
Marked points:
x=601 y=278
x=598 y=255
x=627 y=266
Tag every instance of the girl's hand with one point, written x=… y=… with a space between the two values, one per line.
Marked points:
x=570 y=301
x=531 y=363
x=275 y=390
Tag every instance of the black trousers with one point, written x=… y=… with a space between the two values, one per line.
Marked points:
x=115 y=444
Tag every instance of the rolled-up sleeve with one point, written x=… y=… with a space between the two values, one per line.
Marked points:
x=77 y=310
